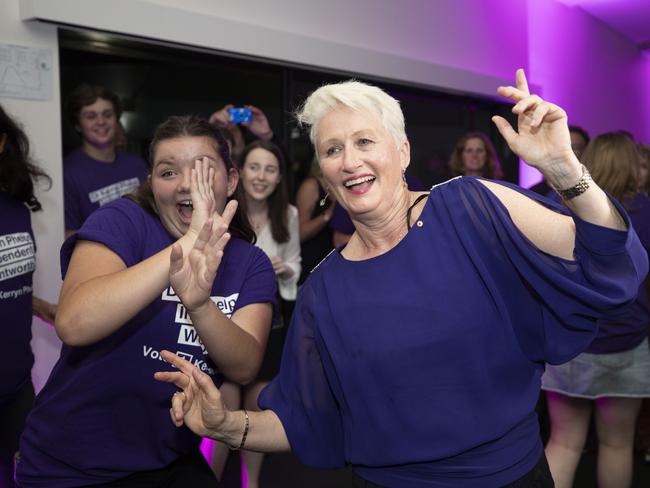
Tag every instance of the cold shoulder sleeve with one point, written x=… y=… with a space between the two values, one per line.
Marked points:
x=301 y=395
x=553 y=303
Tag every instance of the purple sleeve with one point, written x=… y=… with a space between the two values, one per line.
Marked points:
x=73 y=217
x=259 y=284
x=640 y=216
x=301 y=396
x=341 y=221
x=569 y=295
x=120 y=226
x=415 y=184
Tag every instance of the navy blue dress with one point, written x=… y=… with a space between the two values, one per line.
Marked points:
x=422 y=366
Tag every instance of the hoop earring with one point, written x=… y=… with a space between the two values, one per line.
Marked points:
x=323 y=200
x=404 y=182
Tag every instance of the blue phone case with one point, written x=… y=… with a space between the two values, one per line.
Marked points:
x=240 y=114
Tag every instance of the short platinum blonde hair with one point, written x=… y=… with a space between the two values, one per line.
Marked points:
x=357 y=96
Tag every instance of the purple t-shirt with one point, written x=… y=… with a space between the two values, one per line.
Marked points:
x=422 y=366
x=89 y=184
x=630 y=327
x=102 y=416
x=17 y=263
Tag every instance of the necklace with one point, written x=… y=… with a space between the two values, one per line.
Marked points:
x=410 y=209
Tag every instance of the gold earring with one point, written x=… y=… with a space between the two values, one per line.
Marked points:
x=323 y=200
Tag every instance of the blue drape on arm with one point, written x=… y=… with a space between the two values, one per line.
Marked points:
x=301 y=396
x=570 y=295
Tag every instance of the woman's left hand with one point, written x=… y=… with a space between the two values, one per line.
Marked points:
x=198 y=404
x=280 y=267
x=542 y=137
x=192 y=276
x=45 y=311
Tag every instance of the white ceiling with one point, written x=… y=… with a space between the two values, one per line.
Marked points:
x=630 y=18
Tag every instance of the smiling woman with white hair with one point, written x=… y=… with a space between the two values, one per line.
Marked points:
x=386 y=368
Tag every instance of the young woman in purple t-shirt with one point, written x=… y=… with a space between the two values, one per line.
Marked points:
x=172 y=266
x=17 y=302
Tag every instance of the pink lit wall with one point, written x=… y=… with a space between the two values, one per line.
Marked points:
x=472 y=35
x=601 y=78
x=598 y=76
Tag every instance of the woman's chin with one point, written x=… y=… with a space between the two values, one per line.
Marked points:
x=175 y=227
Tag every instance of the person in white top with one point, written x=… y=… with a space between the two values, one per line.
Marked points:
x=275 y=222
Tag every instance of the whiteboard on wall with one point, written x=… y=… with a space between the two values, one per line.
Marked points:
x=25 y=72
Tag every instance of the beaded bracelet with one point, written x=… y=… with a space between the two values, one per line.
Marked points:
x=243 y=437
x=579 y=188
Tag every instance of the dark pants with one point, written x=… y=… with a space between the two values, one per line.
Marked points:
x=12 y=422
x=538 y=477
x=188 y=471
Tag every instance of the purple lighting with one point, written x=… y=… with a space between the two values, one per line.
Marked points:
x=206 y=449
x=598 y=76
x=528 y=176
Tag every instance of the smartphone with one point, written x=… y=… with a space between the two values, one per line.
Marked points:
x=240 y=114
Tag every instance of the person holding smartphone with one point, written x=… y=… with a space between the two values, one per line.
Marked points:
x=230 y=118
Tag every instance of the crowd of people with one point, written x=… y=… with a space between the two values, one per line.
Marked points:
x=333 y=328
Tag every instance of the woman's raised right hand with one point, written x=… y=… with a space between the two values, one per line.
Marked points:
x=202 y=194
x=191 y=275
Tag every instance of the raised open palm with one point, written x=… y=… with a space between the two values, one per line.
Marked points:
x=192 y=276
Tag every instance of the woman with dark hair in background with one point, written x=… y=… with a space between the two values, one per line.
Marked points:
x=613 y=375
x=315 y=210
x=643 y=182
x=96 y=173
x=474 y=155
x=154 y=271
x=263 y=180
x=17 y=302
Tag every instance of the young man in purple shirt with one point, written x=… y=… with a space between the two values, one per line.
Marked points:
x=96 y=173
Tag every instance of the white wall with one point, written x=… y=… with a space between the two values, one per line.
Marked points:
x=441 y=43
x=41 y=121
x=471 y=35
